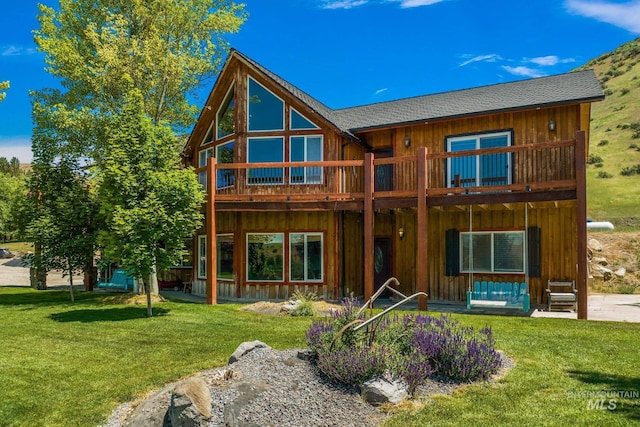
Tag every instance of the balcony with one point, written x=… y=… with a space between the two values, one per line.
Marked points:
x=545 y=171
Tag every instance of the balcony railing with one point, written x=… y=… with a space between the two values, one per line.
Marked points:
x=519 y=168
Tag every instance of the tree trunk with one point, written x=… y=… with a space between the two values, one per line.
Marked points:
x=153 y=281
x=149 y=308
x=71 y=283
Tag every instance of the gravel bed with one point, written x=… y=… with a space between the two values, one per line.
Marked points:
x=266 y=387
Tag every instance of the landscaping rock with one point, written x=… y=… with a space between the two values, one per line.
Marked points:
x=246 y=347
x=190 y=404
x=594 y=245
x=380 y=391
x=620 y=272
x=601 y=261
x=290 y=305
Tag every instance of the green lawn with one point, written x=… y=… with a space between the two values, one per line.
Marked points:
x=71 y=364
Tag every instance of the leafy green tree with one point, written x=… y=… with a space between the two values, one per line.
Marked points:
x=63 y=212
x=100 y=50
x=149 y=201
x=12 y=191
x=3 y=86
x=10 y=167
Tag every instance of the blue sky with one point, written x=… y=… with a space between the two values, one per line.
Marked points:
x=353 y=52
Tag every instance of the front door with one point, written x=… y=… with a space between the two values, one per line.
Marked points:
x=381 y=263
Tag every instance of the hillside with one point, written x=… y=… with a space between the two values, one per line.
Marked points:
x=613 y=175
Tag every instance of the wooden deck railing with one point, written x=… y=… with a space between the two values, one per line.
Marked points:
x=521 y=168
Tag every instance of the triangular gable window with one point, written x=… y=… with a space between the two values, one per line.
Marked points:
x=299 y=122
x=266 y=111
x=226 y=118
x=209 y=137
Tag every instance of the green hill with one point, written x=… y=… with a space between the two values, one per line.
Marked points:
x=613 y=174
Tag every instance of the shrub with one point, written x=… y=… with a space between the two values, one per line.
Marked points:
x=624 y=91
x=413 y=348
x=305 y=307
x=603 y=142
x=630 y=170
x=604 y=175
x=593 y=159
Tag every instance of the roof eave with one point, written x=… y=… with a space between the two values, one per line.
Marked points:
x=475 y=113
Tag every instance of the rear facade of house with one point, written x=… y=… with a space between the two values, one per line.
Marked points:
x=439 y=191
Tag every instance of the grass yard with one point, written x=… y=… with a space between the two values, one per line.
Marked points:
x=71 y=364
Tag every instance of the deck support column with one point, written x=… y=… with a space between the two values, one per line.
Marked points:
x=369 y=178
x=212 y=280
x=422 y=274
x=581 y=220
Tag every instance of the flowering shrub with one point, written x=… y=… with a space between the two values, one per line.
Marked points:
x=413 y=348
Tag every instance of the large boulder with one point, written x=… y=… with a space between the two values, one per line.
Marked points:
x=190 y=404
x=379 y=391
x=246 y=347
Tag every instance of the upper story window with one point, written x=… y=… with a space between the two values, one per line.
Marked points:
x=265 y=150
x=486 y=169
x=209 y=136
x=306 y=149
x=266 y=110
x=226 y=118
x=299 y=122
x=224 y=155
x=203 y=157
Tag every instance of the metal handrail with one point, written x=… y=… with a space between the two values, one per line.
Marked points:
x=388 y=309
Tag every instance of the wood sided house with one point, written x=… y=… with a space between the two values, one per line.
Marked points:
x=441 y=191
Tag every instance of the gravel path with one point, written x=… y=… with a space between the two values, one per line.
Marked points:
x=273 y=388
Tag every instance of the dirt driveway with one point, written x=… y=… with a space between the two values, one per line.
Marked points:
x=13 y=273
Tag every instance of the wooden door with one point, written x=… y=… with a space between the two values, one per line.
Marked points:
x=381 y=263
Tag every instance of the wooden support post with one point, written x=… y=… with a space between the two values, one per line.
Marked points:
x=422 y=260
x=212 y=280
x=581 y=219
x=369 y=179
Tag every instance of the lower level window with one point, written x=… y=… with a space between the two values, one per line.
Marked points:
x=492 y=252
x=265 y=257
x=202 y=257
x=305 y=257
x=224 y=256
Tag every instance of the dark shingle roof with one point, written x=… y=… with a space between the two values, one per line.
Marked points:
x=569 y=88
x=581 y=86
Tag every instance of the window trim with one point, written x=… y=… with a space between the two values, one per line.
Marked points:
x=202 y=175
x=305 y=182
x=246 y=261
x=306 y=279
x=478 y=136
x=218 y=277
x=493 y=261
x=282 y=138
x=209 y=131
x=202 y=238
x=284 y=104
x=222 y=105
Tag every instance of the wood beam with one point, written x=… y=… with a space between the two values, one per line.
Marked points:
x=581 y=218
x=519 y=197
x=369 y=178
x=422 y=260
x=212 y=280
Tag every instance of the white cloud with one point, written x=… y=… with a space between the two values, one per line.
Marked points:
x=16 y=51
x=523 y=71
x=480 y=58
x=19 y=147
x=342 y=4
x=549 y=61
x=416 y=3
x=350 y=4
x=624 y=15
x=379 y=91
